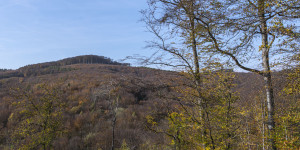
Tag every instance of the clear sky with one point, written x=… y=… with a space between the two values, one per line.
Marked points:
x=35 y=31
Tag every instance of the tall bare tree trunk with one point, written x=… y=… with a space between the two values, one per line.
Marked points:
x=113 y=132
x=267 y=73
x=263 y=104
x=114 y=104
x=195 y=53
x=196 y=72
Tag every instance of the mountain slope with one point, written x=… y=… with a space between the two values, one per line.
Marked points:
x=57 y=66
x=88 y=91
x=85 y=90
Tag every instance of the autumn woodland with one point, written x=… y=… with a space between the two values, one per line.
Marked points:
x=230 y=79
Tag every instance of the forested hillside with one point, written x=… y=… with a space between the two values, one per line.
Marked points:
x=257 y=36
x=86 y=94
x=91 y=106
x=95 y=103
x=57 y=66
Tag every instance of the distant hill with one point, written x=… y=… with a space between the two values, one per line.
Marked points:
x=85 y=90
x=58 y=66
x=84 y=59
x=89 y=84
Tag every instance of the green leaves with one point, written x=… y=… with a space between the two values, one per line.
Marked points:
x=40 y=114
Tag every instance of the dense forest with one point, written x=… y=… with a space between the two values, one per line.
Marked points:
x=73 y=108
x=57 y=66
x=201 y=103
x=87 y=106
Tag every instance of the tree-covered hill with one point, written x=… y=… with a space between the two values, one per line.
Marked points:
x=88 y=103
x=57 y=66
x=87 y=91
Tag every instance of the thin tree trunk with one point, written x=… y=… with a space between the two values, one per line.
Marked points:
x=113 y=132
x=114 y=107
x=195 y=53
x=267 y=73
x=197 y=67
x=228 y=120
x=263 y=122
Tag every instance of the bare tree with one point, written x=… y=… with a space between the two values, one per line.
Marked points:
x=228 y=29
x=114 y=105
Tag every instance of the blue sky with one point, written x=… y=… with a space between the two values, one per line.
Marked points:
x=34 y=31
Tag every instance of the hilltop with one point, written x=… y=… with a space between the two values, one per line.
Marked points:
x=57 y=66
